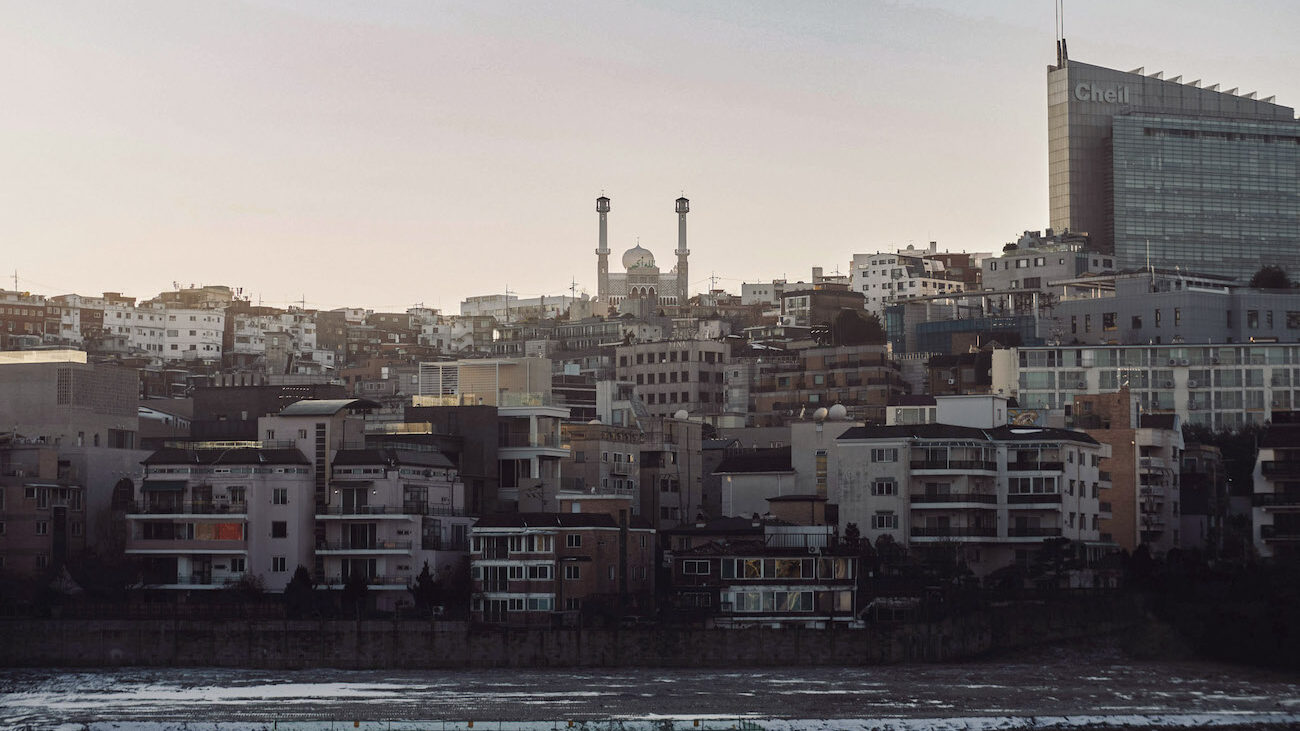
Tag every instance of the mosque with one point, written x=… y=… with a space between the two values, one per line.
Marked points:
x=642 y=279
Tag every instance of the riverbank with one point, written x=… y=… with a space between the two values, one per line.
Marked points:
x=405 y=644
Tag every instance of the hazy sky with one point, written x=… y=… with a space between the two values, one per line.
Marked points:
x=382 y=154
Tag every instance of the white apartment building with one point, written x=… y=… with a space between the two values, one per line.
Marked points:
x=191 y=334
x=887 y=277
x=1276 y=510
x=143 y=327
x=983 y=493
x=1219 y=386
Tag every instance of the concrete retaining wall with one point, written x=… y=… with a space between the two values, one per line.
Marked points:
x=411 y=644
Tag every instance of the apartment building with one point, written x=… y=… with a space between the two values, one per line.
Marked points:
x=392 y=510
x=981 y=492
x=42 y=509
x=1276 y=510
x=862 y=378
x=1142 y=504
x=207 y=516
x=884 y=278
x=546 y=569
x=676 y=375
x=740 y=572
x=1217 y=386
x=603 y=460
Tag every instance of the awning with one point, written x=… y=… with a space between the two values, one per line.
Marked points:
x=163 y=485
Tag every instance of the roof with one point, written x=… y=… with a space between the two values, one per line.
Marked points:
x=797 y=498
x=911 y=400
x=725 y=443
x=757 y=461
x=556 y=520
x=326 y=407
x=391 y=456
x=233 y=455
x=949 y=431
x=183 y=407
x=720 y=526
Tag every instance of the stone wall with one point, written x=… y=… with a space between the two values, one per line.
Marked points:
x=288 y=644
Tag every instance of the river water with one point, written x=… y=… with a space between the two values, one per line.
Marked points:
x=1061 y=687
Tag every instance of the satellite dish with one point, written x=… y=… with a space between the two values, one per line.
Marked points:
x=838 y=412
x=682 y=414
x=820 y=414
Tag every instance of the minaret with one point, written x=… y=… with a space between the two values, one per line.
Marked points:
x=683 y=274
x=602 y=252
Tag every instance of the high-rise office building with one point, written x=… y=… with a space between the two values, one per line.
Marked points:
x=1173 y=173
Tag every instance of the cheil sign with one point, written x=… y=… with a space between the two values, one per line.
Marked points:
x=1086 y=92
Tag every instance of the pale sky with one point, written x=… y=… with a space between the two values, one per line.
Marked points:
x=383 y=154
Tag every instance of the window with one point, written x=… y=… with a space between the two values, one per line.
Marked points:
x=42 y=528
x=237 y=565
x=884 y=455
x=1108 y=321
x=1137 y=322
x=76 y=528
x=541 y=572
x=2 y=528
x=278 y=564
x=573 y=540
x=695 y=568
x=884 y=520
x=885 y=486
x=572 y=572
x=1178 y=316
x=279 y=529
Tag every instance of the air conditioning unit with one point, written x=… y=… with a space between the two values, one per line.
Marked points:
x=1277 y=404
x=1082 y=384
x=1173 y=361
x=952 y=381
x=1191 y=383
x=1183 y=362
x=1214 y=360
x=1169 y=384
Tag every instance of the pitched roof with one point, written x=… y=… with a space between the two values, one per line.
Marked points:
x=757 y=461
x=1003 y=433
x=233 y=455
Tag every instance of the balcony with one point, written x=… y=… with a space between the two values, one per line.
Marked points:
x=1152 y=463
x=1103 y=507
x=954 y=532
x=622 y=468
x=375 y=546
x=405 y=510
x=1033 y=531
x=1045 y=498
x=187 y=507
x=1035 y=466
x=1276 y=500
x=1282 y=468
x=954 y=497
x=965 y=465
x=173 y=546
x=1151 y=491
x=525 y=440
x=375 y=582
x=1279 y=533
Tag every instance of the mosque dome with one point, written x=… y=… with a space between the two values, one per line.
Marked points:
x=638 y=257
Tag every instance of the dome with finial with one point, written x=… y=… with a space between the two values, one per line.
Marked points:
x=638 y=257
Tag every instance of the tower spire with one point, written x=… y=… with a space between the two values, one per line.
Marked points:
x=602 y=250
x=683 y=253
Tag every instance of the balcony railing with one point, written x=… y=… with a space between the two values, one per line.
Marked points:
x=1279 y=533
x=371 y=580
x=525 y=440
x=798 y=540
x=955 y=464
x=364 y=545
x=955 y=532
x=410 y=508
x=1151 y=491
x=1290 y=467
x=1035 y=466
x=1276 y=500
x=1103 y=507
x=1038 y=497
x=1103 y=475
x=1152 y=463
x=955 y=497
x=189 y=507
x=1033 y=531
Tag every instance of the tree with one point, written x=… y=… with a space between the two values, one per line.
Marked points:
x=299 y=594
x=1270 y=277
x=426 y=591
x=354 y=592
x=857 y=327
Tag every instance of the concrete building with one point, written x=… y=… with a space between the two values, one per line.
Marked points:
x=982 y=493
x=42 y=509
x=1163 y=173
x=562 y=569
x=1276 y=512
x=1140 y=497
x=862 y=378
x=887 y=277
x=817 y=305
x=1218 y=386
x=676 y=375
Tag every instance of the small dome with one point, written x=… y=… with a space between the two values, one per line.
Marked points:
x=820 y=414
x=681 y=415
x=594 y=421
x=838 y=412
x=638 y=257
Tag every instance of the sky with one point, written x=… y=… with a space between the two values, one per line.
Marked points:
x=388 y=154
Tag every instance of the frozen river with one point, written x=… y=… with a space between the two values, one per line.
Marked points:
x=1060 y=687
